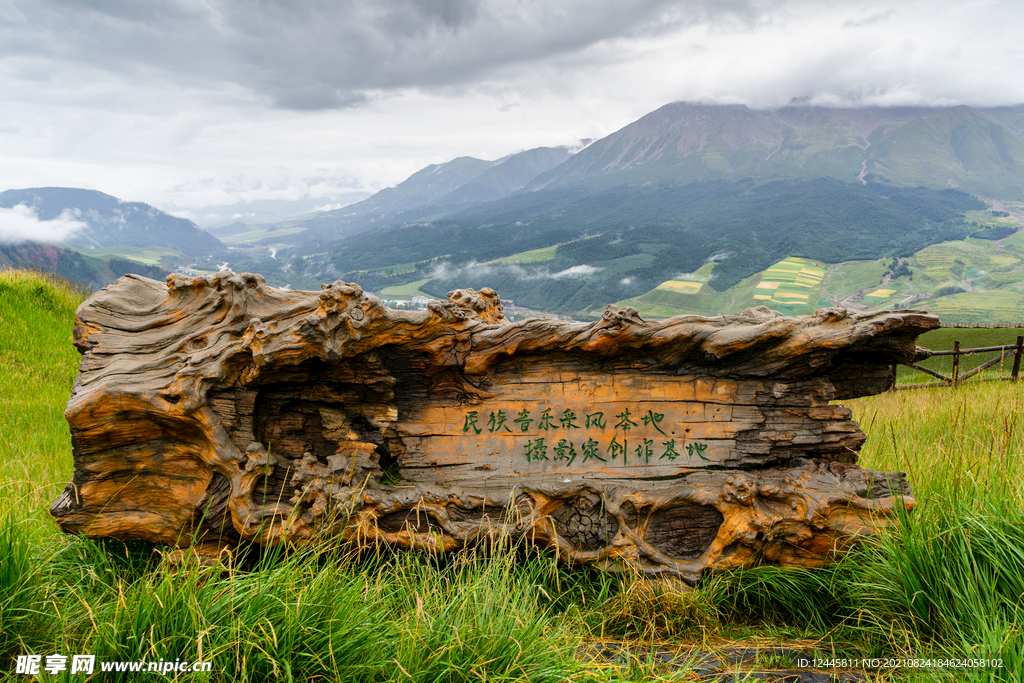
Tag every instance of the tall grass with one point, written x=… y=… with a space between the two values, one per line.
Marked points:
x=942 y=340
x=953 y=574
x=38 y=365
x=946 y=581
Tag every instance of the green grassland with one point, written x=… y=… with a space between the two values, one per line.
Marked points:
x=684 y=297
x=531 y=256
x=985 y=217
x=947 y=581
x=406 y=291
x=399 y=269
x=791 y=286
x=844 y=280
x=942 y=340
x=978 y=307
x=262 y=233
x=963 y=281
x=38 y=366
x=941 y=278
x=151 y=256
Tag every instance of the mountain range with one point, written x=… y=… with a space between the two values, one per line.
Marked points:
x=108 y=221
x=437 y=190
x=114 y=237
x=684 y=186
x=709 y=196
x=978 y=150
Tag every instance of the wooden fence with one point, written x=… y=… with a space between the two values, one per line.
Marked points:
x=1004 y=352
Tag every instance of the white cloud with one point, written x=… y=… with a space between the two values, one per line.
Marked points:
x=519 y=272
x=692 y=276
x=20 y=224
x=582 y=270
x=475 y=270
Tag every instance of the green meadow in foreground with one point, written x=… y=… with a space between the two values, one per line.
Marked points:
x=948 y=582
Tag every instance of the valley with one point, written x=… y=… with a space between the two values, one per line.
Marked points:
x=691 y=209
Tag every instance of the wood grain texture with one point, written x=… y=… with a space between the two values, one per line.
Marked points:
x=213 y=410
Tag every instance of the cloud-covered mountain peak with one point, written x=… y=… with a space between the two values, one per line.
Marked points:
x=103 y=220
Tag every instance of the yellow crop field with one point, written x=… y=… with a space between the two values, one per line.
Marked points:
x=791 y=281
x=681 y=286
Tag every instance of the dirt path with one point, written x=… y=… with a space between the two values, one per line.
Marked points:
x=825 y=281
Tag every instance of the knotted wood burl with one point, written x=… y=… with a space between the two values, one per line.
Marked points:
x=213 y=410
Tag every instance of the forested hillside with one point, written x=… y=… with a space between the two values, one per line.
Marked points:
x=624 y=242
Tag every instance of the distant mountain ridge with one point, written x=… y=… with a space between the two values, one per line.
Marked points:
x=436 y=190
x=980 y=150
x=716 y=192
x=687 y=187
x=112 y=222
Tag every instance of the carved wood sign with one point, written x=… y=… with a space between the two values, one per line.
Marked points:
x=212 y=410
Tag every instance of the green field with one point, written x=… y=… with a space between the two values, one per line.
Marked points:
x=790 y=286
x=942 y=340
x=965 y=281
x=985 y=217
x=1014 y=242
x=532 y=256
x=978 y=307
x=848 y=279
x=946 y=582
x=942 y=273
x=792 y=283
x=151 y=256
x=262 y=233
x=406 y=291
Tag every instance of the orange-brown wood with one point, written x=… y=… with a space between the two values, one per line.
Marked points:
x=214 y=410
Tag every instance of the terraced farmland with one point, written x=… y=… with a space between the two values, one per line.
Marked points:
x=790 y=286
x=964 y=281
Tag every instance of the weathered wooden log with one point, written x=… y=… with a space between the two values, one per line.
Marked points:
x=213 y=410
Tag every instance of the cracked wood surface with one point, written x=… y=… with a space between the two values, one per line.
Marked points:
x=208 y=411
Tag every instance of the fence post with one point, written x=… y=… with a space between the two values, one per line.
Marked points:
x=1016 y=358
x=956 y=362
x=893 y=387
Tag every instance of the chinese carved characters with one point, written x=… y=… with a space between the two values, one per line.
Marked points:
x=220 y=409
x=545 y=436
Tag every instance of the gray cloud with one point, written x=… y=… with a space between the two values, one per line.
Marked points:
x=324 y=54
x=867 y=21
x=188 y=104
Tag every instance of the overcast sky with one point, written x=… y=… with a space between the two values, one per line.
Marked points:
x=189 y=103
